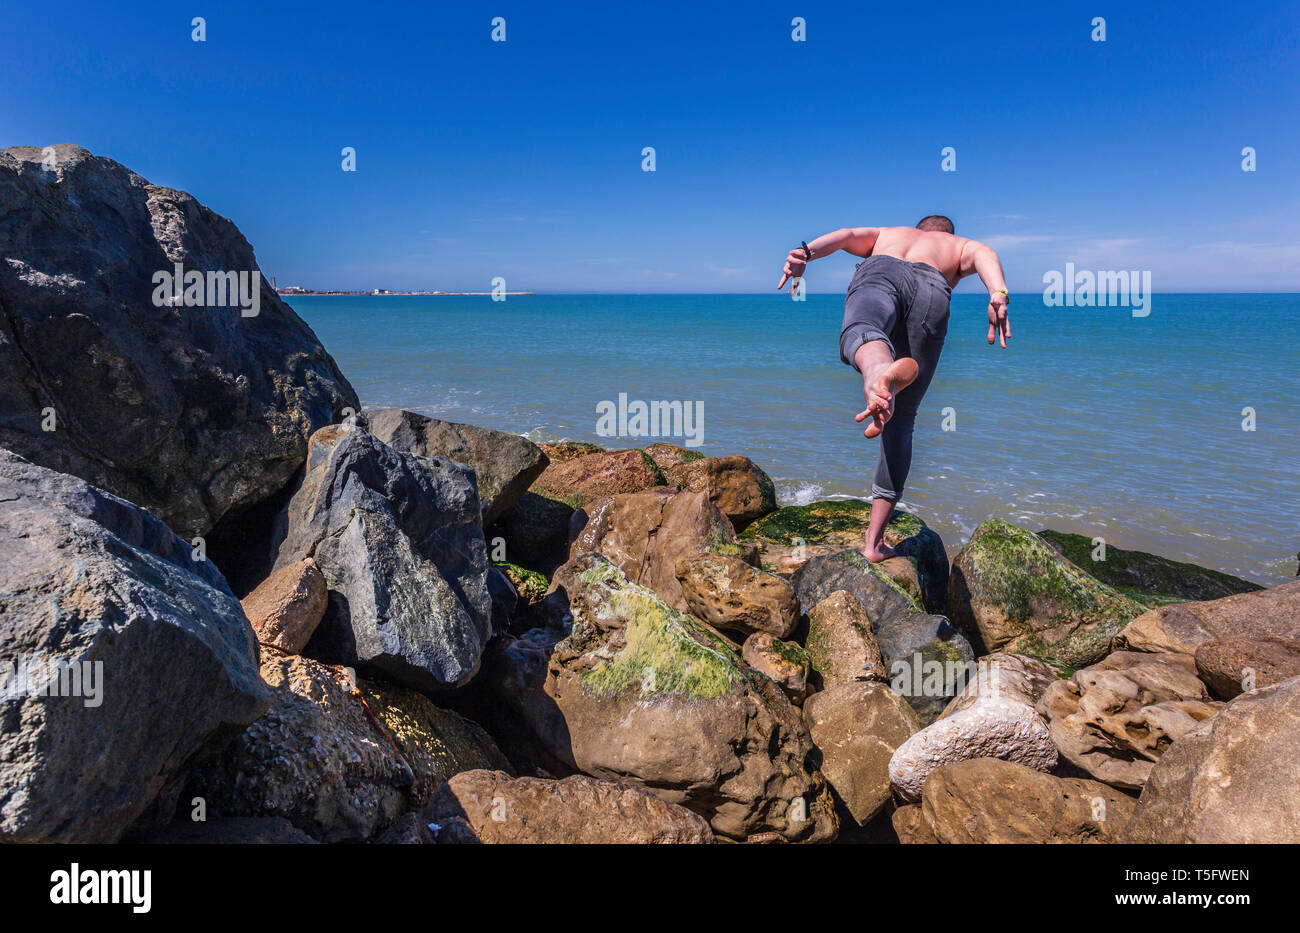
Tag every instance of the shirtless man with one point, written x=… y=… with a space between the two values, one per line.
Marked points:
x=895 y=320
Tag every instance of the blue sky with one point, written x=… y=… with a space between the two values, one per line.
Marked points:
x=523 y=159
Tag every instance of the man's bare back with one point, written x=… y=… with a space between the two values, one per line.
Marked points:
x=941 y=250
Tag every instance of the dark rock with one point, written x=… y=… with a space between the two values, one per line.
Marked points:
x=535 y=533
x=192 y=412
x=238 y=830
x=901 y=630
x=91 y=583
x=504 y=464
x=1148 y=578
x=398 y=539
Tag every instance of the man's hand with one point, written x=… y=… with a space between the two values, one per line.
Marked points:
x=999 y=324
x=795 y=264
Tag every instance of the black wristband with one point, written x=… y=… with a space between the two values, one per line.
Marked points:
x=807 y=253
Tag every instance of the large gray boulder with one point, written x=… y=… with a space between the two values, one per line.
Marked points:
x=194 y=412
x=504 y=464
x=914 y=644
x=398 y=539
x=166 y=663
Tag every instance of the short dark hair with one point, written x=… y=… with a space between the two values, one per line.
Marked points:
x=936 y=222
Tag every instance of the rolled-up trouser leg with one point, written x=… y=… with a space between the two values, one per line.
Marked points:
x=919 y=334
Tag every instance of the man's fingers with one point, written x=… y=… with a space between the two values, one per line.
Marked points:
x=781 y=285
x=992 y=334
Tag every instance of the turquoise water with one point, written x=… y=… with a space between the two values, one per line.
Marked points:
x=1093 y=421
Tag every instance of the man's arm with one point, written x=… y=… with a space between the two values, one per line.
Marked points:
x=856 y=240
x=982 y=260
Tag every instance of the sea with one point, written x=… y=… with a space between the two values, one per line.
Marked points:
x=1177 y=432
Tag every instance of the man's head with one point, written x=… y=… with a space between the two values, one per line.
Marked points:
x=936 y=222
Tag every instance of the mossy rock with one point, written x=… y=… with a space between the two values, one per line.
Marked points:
x=824 y=527
x=1013 y=591
x=664 y=651
x=1148 y=578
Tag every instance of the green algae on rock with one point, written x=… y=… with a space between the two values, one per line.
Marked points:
x=1015 y=592
x=664 y=651
x=1148 y=578
x=795 y=533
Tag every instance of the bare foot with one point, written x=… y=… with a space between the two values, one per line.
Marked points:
x=878 y=553
x=880 y=395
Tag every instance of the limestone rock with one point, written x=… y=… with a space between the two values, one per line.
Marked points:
x=645 y=534
x=1231 y=780
x=992 y=728
x=739 y=489
x=785 y=663
x=857 y=727
x=640 y=692
x=589 y=476
x=1185 y=627
x=288 y=605
x=1229 y=665
x=491 y=807
x=985 y=800
x=841 y=647
x=912 y=643
x=728 y=593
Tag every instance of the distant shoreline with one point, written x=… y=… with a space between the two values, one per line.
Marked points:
x=305 y=294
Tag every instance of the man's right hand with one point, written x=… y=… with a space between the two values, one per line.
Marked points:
x=795 y=264
x=999 y=323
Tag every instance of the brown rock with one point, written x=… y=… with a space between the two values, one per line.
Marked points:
x=910 y=826
x=340 y=761
x=639 y=691
x=1231 y=665
x=578 y=480
x=645 y=534
x=992 y=801
x=288 y=605
x=857 y=726
x=1232 y=780
x=1186 y=626
x=783 y=662
x=491 y=807
x=1116 y=718
x=728 y=593
x=734 y=484
x=841 y=646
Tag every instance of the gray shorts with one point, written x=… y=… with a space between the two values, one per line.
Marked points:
x=899 y=302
